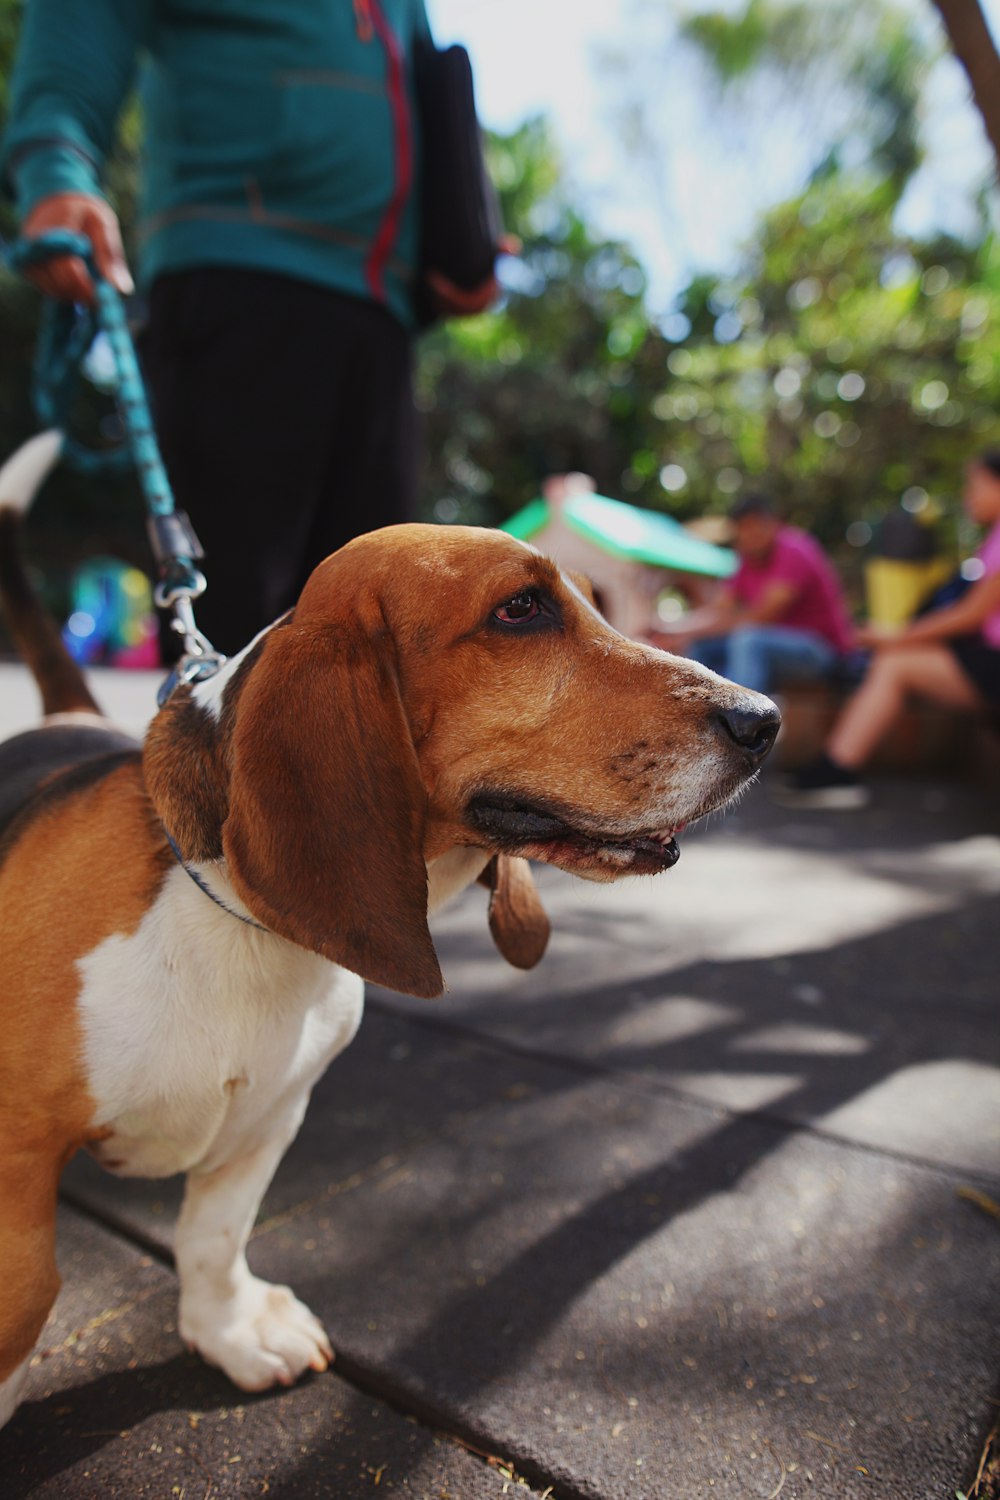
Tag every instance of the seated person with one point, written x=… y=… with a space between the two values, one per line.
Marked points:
x=949 y=655
x=781 y=616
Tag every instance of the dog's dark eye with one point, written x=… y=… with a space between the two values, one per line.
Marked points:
x=519 y=610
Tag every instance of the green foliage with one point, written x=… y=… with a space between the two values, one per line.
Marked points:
x=558 y=378
x=870 y=57
x=736 y=43
x=846 y=366
x=843 y=367
x=856 y=366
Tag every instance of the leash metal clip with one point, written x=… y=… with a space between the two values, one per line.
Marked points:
x=200 y=660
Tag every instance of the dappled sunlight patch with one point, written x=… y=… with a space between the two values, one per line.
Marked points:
x=972 y=862
x=947 y=1112
x=672 y=1019
x=798 y=1039
x=737 y=1091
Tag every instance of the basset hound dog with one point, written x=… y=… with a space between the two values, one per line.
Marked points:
x=188 y=923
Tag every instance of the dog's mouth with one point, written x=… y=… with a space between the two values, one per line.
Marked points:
x=535 y=831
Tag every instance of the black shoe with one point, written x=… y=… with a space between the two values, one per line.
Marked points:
x=822 y=785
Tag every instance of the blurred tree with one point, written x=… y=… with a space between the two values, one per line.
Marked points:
x=972 y=43
x=843 y=364
x=850 y=75
x=849 y=366
x=720 y=113
x=559 y=377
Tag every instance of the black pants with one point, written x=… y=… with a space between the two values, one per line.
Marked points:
x=285 y=417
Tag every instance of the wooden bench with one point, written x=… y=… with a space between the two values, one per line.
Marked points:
x=926 y=738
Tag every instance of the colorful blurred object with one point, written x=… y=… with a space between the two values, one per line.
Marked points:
x=904 y=567
x=111 y=619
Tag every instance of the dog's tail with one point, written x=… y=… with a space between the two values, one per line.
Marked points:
x=37 y=636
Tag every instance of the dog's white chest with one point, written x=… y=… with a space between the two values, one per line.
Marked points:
x=202 y=1037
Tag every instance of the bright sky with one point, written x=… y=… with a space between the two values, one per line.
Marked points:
x=544 y=56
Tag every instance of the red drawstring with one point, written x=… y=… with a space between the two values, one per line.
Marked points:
x=396 y=86
x=363 y=19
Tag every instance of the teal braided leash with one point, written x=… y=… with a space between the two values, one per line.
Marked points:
x=66 y=334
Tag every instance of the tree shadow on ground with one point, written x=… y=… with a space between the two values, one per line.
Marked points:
x=449 y=1361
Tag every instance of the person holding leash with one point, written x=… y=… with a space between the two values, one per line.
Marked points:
x=278 y=244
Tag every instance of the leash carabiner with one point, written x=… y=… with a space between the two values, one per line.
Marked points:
x=200 y=660
x=66 y=334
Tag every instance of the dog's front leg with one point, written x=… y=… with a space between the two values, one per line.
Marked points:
x=258 y=1333
x=29 y=1281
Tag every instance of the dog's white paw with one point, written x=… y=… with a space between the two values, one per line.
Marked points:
x=261 y=1336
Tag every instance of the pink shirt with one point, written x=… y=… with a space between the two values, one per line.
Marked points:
x=989 y=556
x=817 y=604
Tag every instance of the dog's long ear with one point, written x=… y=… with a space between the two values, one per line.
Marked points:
x=184 y=764
x=517 y=917
x=324 y=834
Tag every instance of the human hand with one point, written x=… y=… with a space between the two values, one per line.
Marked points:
x=452 y=301
x=873 y=637
x=65 y=277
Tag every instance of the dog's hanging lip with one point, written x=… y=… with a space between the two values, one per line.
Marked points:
x=542 y=832
x=509 y=819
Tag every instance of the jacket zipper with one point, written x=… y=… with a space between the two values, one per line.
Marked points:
x=403 y=151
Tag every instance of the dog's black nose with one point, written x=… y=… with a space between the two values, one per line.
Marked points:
x=754 y=726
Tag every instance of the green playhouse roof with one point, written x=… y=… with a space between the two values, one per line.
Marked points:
x=645 y=536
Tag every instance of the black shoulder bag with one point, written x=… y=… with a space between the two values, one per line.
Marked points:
x=459 y=209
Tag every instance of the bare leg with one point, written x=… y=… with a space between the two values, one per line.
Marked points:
x=929 y=671
x=260 y=1334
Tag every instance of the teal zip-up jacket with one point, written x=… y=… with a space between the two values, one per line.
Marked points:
x=279 y=134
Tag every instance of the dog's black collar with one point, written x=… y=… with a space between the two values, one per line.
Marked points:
x=203 y=885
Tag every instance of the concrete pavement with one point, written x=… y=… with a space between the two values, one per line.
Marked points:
x=692 y=1209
